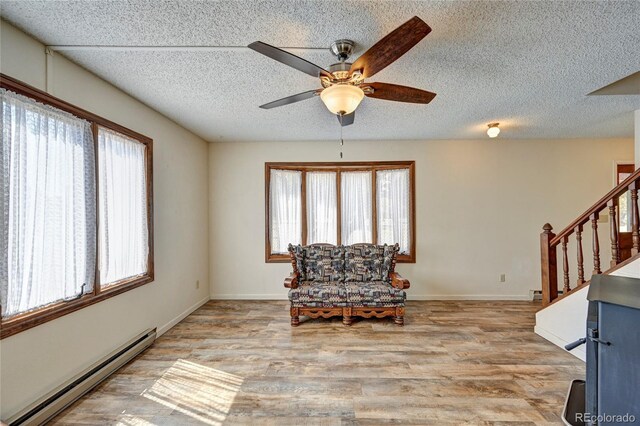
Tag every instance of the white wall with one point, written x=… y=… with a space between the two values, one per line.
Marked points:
x=636 y=120
x=630 y=270
x=565 y=321
x=480 y=208
x=38 y=359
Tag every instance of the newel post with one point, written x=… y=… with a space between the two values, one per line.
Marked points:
x=548 y=263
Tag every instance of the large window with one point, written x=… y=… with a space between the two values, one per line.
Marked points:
x=339 y=203
x=623 y=171
x=123 y=231
x=75 y=197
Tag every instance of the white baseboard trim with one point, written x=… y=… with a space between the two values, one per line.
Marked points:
x=166 y=327
x=467 y=296
x=558 y=341
x=283 y=296
x=275 y=296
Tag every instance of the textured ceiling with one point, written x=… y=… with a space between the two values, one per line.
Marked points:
x=527 y=64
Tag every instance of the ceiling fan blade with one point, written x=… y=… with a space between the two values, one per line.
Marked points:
x=347 y=119
x=290 y=99
x=390 y=48
x=288 y=59
x=395 y=92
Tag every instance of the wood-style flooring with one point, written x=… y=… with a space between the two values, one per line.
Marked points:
x=239 y=362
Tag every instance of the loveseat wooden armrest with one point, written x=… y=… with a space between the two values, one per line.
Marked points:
x=292 y=280
x=398 y=282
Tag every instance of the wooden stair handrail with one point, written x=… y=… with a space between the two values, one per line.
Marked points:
x=549 y=241
x=600 y=205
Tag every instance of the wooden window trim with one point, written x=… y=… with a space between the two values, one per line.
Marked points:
x=623 y=168
x=369 y=166
x=50 y=312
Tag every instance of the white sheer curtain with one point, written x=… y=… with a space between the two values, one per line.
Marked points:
x=47 y=193
x=356 y=207
x=392 y=194
x=286 y=209
x=321 y=208
x=122 y=234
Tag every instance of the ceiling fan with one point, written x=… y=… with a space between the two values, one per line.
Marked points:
x=343 y=84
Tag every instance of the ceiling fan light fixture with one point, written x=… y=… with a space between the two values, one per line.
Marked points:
x=342 y=98
x=493 y=130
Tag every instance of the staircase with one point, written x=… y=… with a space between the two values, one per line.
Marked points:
x=563 y=315
x=624 y=245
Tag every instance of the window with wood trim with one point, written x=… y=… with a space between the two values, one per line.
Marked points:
x=76 y=215
x=339 y=203
x=623 y=171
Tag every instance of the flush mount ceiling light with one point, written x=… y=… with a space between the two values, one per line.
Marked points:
x=493 y=130
x=342 y=99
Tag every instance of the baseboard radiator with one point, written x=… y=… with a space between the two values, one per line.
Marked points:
x=54 y=402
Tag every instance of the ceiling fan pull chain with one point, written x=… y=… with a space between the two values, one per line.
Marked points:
x=341 y=140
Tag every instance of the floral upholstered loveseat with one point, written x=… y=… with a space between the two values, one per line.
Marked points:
x=356 y=280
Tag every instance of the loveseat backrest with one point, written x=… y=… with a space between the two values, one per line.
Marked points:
x=369 y=262
x=355 y=263
x=318 y=262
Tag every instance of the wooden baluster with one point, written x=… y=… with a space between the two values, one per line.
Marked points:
x=613 y=230
x=635 y=236
x=595 y=243
x=578 y=232
x=548 y=265
x=565 y=266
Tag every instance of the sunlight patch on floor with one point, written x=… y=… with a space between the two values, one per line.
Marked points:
x=198 y=391
x=131 y=420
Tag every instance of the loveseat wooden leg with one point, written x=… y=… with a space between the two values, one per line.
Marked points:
x=295 y=318
x=346 y=316
x=399 y=317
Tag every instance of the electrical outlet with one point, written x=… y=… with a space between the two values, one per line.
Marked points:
x=198 y=284
x=503 y=278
